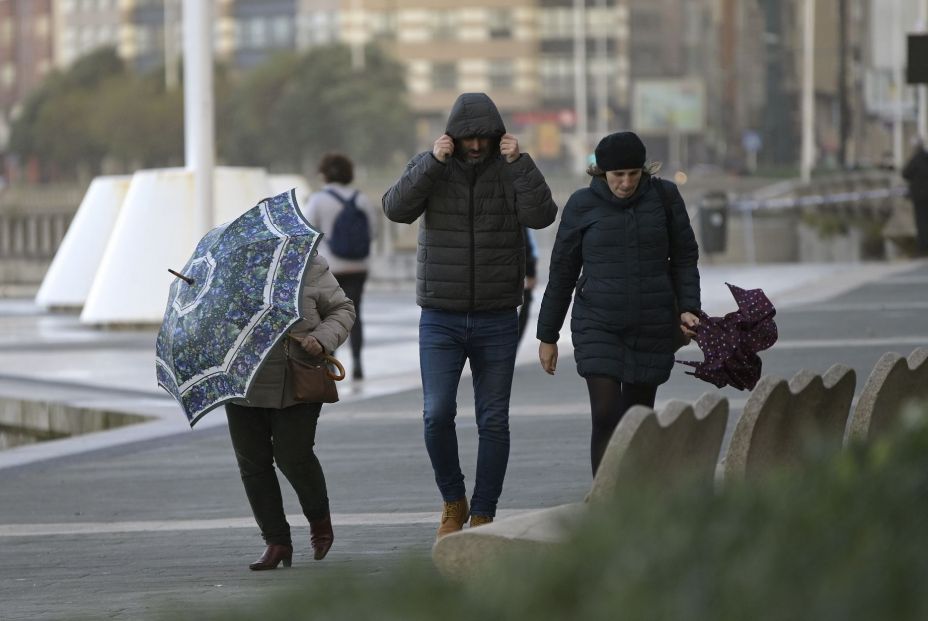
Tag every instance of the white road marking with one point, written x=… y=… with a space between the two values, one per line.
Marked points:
x=154 y=526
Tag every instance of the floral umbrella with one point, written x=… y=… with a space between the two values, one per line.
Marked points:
x=730 y=343
x=234 y=299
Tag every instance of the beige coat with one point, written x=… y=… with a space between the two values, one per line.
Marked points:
x=327 y=315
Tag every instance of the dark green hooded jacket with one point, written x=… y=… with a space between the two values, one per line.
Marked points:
x=471 y=254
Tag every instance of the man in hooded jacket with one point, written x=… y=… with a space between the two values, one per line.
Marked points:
x=473 y=193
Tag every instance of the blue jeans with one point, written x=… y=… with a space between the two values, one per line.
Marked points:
x=489 y=340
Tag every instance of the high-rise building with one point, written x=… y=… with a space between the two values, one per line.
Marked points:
x=26 y=51
x=82 y=26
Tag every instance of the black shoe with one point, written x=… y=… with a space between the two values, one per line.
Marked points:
x=356 y=372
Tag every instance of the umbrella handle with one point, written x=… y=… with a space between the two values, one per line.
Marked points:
x=330 y=359
x=338 y=365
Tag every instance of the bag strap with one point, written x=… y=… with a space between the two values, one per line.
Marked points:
x=346 y=202
x=665 y=200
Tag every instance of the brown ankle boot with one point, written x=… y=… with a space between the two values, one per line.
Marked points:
x=453 y=517
x=321 y=536
x=274 y=553
x=480 y=520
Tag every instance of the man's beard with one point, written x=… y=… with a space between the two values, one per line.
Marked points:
x=464 y=155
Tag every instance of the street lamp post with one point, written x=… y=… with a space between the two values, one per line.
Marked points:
x=923 y=88
x=580 y=101
x=807 y=155
x=199 y=151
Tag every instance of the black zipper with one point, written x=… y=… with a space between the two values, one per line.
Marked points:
x=473 y=248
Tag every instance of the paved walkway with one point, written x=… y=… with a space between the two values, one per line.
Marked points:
x=125 y=523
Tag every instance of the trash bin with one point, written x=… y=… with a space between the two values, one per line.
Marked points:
x=713 y=221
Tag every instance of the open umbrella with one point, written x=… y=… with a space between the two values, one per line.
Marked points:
x=234 y=299
x=730 y=344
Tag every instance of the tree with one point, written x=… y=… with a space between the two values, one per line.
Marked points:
x=291 y=110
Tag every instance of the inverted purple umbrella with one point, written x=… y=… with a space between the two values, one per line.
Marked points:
x=730 y=344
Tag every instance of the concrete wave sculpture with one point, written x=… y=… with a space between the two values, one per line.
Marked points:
x=782 y=420
x=893 y=384
x=681 y=439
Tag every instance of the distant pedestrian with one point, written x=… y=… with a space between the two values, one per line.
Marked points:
x=349 y=222
x=472 y=194
x=270 y=427
x=916 y=173
x=531 y=263
x=611 y=254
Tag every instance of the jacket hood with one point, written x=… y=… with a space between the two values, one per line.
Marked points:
x=475 y=114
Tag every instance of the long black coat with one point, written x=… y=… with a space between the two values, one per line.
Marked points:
x=471 y=251
x=614 y=252
x=916 y=173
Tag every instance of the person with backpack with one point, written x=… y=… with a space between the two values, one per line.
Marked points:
x=349 y=223
x=471 y=193
x=627 y=255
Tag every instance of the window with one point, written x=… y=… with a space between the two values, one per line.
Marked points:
x=557 y=76
x=255 y=33
x=7 y=75
x=501 y=74
x=282 y=30
x=499 y=23
x=444 y=26
x=444 y=76
x=382 y=24
x=556 y=23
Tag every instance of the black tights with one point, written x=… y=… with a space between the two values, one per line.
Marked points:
x=609 y=400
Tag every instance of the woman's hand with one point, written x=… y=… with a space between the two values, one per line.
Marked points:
x=547 y=353
x=688 y=324
x=311 y=346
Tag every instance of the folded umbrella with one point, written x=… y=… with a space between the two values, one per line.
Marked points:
x=238 y=294
x=730 y=344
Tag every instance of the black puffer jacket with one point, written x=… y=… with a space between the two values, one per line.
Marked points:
x=623 y=315
x=916 y=173
x=471 y=253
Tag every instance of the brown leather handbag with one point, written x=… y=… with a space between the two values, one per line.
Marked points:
x=314 y=382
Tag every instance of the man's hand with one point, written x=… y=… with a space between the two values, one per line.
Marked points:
x=443 y=148
x=509 y=146
x=530 y=282
x=547 y=353
x=311 y=346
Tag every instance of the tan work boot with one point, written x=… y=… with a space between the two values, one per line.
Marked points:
x=479 y=520
x=453 y=517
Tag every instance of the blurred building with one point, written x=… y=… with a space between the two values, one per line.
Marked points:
x=697 y=76
x=26 y=52
x=82 y=26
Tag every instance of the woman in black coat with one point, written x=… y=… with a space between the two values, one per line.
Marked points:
x=626 y=252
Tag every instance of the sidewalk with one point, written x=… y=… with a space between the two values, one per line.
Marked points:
x=52 y=357
x=130 y=523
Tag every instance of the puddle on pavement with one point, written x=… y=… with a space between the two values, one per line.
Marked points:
x=28 y=422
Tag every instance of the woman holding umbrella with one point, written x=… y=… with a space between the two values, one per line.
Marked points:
x=270 y=426
x=627 y=254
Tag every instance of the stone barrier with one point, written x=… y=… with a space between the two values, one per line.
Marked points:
x=681 y=439
x=894 y=383
x=782 y=419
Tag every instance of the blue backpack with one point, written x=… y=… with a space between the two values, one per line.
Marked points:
x=351 y=234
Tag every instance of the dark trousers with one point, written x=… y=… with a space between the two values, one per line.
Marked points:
x=352 y=283
x=921 y=225
x=263 y=436
x=609 y=400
